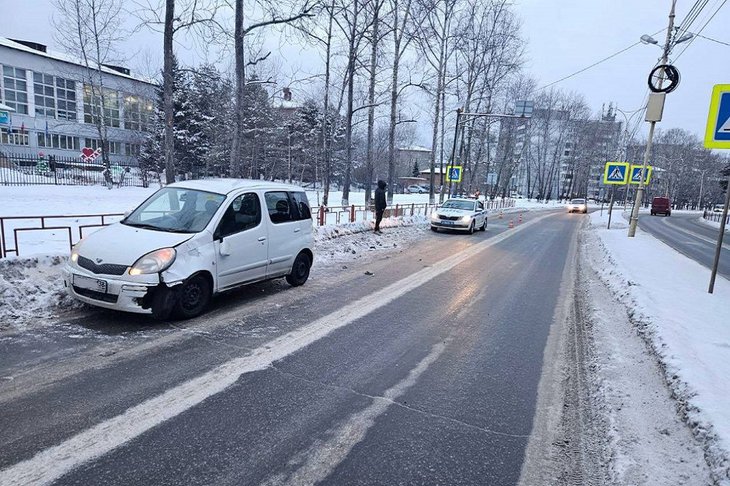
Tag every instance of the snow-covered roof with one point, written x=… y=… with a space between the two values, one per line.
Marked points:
x=6 y=107
x=59 y=56
x=414 y=148
x=224 y=186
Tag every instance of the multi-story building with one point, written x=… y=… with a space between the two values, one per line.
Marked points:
x=49 y=107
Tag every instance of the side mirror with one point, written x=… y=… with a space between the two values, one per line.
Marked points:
x=225 y=248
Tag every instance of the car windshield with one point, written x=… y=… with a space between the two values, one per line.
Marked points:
x=577 y=201
x=466 y=205
x=176 y=210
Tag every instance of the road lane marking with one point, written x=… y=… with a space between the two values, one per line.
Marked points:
x=56 y=461
x=322 y=457
x=695 y=235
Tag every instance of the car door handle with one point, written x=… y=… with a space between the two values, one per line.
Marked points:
x=262 y=238
x=298 y=230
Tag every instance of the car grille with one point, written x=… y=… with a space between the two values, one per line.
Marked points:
x=104 y=268
x=449 y=218
x=92 y=294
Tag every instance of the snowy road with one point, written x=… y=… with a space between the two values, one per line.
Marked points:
x=426 y=371
x=687 y=235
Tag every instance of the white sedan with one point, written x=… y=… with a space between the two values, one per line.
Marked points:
x=460 y=214
x=577 y=205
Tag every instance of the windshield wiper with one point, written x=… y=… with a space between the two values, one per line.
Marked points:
x=145 y=226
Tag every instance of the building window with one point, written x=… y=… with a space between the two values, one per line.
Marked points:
x=131 y=149
x=16 y=89
x=66 y=99
x=45 y=96
x=137 y=113
x=13 y=137
x=54 y=140
x=92 y=106
x=114 y=147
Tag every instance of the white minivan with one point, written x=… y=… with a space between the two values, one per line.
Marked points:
x=191 y=240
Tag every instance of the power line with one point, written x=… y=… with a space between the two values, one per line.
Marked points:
x=692 y=15
x=691 y=41
x=713 y=40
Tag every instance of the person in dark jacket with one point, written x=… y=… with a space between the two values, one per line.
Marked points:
x=379 y=204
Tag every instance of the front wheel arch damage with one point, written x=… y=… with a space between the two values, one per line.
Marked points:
x=163 y=299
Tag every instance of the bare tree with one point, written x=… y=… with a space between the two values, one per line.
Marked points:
x=178 y=15
x=269 y=15
x=434 y=39
x=92 y=39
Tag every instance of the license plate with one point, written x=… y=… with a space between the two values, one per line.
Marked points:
x=447 y=222
x=90 y=283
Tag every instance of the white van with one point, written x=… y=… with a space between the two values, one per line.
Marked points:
x=191 y=240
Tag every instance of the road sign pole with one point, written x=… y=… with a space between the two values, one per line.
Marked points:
x=610 y=207
x=640 y=189
x=718 y=249
x=453 y=154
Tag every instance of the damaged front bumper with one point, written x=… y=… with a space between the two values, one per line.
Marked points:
x=113 y=293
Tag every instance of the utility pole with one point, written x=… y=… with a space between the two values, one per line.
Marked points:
x=652 y=124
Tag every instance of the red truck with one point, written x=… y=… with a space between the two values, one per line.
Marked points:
x=661 y=205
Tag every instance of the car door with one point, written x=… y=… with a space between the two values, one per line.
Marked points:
x=285 y=232
x=481 y=214
x=241 y=242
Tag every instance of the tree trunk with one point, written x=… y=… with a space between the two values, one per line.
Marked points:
x=236 y=161
x=167 y=92
x=371 y=101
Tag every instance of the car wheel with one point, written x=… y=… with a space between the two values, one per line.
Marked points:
x=434 y=229
x=299 y=271
x=194 y=296
x=652 y=213
x=484 y=225
x=471 y=227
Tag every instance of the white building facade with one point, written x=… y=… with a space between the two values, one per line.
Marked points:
x=51 y=106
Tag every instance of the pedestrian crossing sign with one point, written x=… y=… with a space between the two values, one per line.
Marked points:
x=616 y=173
x=454 y=173
x=636 y=174
x=717 y=133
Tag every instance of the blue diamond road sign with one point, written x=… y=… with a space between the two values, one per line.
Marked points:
x=717 y=133
x=454 y=173
x=636 y=174
x=616 y=173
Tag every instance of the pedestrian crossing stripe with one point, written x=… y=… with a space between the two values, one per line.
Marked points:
x=717 y=133
x=616 y=173
x=636 y=174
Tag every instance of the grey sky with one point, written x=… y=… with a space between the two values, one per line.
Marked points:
x=563 y=37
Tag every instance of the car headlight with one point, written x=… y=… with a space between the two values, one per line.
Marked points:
x=465 y=219
x=75 y=251
x=434 y=217
x=154 y=262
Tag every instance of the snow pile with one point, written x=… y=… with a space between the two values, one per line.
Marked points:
x=31 y=288
x=685 y=327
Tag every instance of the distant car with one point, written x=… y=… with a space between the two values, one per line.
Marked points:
x=415 y=189
x=460 y=214
x=717 y=208
x=661 y=205
x=577 y=206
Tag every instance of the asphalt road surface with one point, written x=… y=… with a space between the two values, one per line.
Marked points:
x=684 y=233
x=425 y=370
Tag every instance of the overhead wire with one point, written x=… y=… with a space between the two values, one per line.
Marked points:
x=595 y=64
x=691 y=41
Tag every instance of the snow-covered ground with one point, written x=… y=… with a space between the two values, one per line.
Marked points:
x=686 y=329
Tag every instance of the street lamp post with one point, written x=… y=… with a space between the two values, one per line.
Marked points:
x=652 y=123
x=525 y=109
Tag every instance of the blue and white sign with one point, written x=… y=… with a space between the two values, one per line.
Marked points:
x=717 y=133
x=616 y=173
x=454 y=173
x=636 y=174
x=4 y=118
